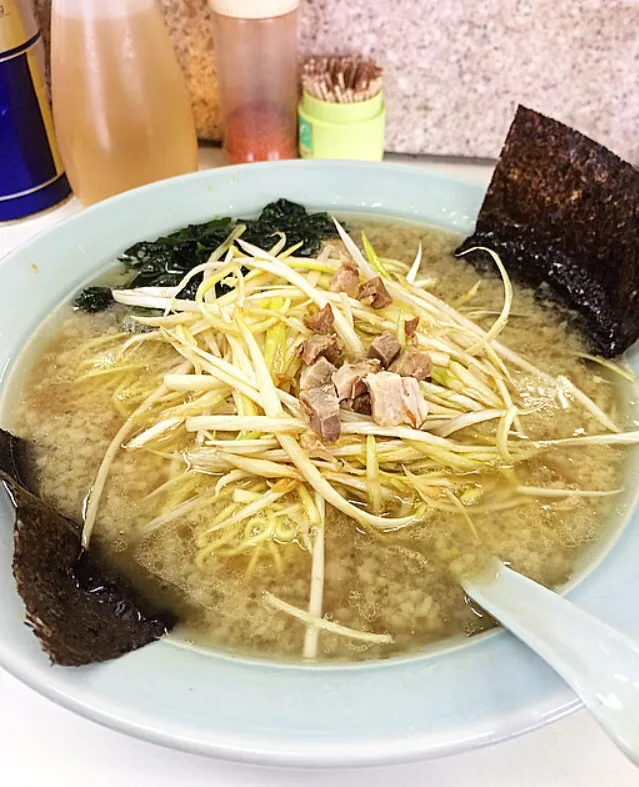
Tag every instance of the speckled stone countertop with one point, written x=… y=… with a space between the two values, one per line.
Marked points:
x=455 y=70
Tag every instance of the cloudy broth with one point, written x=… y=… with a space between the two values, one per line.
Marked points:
x=402 y=583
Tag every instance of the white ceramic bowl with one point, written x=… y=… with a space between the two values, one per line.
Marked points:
x=454 y=697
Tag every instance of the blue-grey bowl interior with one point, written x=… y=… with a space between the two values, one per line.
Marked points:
x=425 y=706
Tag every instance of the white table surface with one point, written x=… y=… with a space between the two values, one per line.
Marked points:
x=42 y=744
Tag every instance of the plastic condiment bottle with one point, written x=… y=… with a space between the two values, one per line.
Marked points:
x=257 y=65
x=120 y=104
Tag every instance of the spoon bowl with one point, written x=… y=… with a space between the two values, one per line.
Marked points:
x=599 y=663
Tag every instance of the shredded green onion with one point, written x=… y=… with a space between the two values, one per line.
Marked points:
x=229 y=421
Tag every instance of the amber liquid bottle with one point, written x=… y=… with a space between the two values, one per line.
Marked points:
x=120 y=105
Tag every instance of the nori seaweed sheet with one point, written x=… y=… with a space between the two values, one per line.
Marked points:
x=563 y=213
x=80 y=608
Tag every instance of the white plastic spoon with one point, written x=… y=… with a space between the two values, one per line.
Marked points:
x=600 y=664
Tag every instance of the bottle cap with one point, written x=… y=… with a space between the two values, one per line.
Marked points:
x=254 y=9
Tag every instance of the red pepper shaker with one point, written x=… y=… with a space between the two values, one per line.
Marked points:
x=257 y=65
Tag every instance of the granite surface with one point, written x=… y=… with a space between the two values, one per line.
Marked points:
x=455 y=70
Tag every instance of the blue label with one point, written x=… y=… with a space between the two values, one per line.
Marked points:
x=27 y=163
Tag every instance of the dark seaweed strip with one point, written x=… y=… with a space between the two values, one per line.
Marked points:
x=81 y=609
x=94 y=299
x=165 y=261
x=309 y=229
x=563 y=214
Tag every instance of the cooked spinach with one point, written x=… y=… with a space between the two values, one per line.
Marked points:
x=94 y=299
x=165 y=261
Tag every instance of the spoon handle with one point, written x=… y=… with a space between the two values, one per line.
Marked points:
x=600 y=664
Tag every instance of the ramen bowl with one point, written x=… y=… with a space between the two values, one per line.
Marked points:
x=453 y=696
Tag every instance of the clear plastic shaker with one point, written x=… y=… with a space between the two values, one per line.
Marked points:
x=257 y=64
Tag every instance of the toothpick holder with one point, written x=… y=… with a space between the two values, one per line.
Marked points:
x=329 y=130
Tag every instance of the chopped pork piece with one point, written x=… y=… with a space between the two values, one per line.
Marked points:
x=362 y=404
x=335 y=353
x=349 y=378
x=384 y=347
x=412 y=363
x=345 y=279
x=319 y=373
x=373 y=293
x=395 y=399
x=314 y=448
x=321 y=407
x=322 y=322
x=410 y=326
x=387 y=405
x=415 y=407
x=321 y=344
